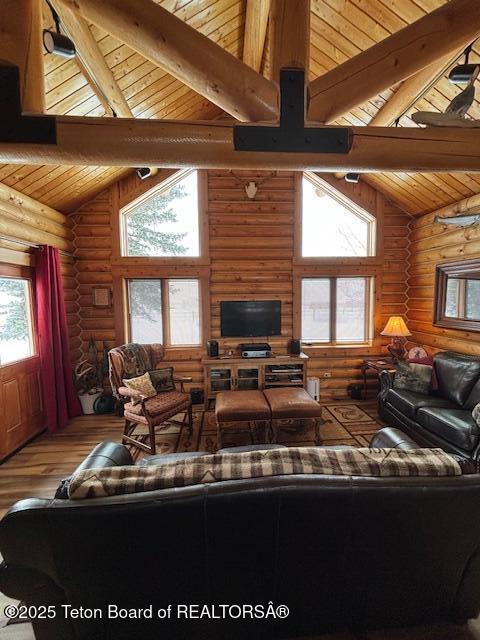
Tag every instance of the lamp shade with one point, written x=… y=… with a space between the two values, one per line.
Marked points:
x=396 y=327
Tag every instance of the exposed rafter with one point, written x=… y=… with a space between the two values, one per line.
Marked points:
x=399 y=56
x=98 y=73
x=119 y=142
x=185 y=53
x=256 y=21
x=290 y=35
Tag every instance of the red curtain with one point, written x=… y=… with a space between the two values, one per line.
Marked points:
x=59 y=397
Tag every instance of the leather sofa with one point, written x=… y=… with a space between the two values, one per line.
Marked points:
x=340 y=552
x=442 y=418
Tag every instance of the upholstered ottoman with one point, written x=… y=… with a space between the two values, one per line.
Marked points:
x=233 y=407
x=293 y=406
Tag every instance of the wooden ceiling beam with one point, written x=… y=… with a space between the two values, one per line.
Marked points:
x=186 y=54
x=131 y=143
x=289 y=35
x=92 y=63
x=256 y=21
x=442 y=32
x=21 y=45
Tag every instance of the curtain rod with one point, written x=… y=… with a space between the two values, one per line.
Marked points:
x=26 y=243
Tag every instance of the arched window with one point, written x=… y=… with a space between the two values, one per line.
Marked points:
x=332 y=226
x=164 y=221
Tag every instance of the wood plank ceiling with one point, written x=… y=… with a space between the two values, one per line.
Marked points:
x=339 y=30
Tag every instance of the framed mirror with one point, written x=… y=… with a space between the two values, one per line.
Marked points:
x=457 y=295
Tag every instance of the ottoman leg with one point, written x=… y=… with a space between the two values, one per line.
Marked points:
x=219 y=436
x=273 y=432
x=318 y=440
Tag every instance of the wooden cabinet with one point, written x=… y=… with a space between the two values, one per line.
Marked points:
x=21 y=410
x=241 y=374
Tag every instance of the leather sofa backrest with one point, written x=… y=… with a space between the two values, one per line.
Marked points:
x=457 y=374
x=308 y=542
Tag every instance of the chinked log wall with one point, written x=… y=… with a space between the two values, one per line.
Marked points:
x=432 y=244
x=252 y=257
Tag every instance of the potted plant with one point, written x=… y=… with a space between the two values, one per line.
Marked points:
x=89 y=375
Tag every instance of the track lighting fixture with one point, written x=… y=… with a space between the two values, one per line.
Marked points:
x=58 y=44
x=464 y=73
x=144 y=172
x=55 y=41
x=352 y=177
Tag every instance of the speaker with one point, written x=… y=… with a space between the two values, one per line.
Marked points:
x=196 y=394
x=212 y=348
x=295 y=347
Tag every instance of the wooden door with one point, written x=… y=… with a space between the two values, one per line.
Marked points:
x=21 y=409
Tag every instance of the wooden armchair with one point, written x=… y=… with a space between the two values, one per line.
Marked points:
x=132 y=360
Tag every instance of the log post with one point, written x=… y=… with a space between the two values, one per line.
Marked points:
x=21 y=45
x=289 y=35
x=256 y=20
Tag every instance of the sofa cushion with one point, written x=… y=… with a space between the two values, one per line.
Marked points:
x=457 y=375
x=409 y=402
x=474 y=397
x=412 y=377
x=454 y=425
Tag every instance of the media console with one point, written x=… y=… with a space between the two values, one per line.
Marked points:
x=237 y=374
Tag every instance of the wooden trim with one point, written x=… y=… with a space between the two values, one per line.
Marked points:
x=442 y=272
x=256 y=20
x=21 y=258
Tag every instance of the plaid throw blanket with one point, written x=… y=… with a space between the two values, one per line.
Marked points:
x=111 y=481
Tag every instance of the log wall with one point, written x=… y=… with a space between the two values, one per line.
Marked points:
x=251 y=244
x=432 y=244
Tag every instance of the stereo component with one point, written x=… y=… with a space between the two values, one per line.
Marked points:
x=212 y=348
x=256 y=350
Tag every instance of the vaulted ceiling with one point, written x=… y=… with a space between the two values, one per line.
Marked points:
x=340 y=29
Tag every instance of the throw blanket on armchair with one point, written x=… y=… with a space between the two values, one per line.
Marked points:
x=111 y=481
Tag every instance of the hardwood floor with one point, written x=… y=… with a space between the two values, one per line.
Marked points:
x=36 y=470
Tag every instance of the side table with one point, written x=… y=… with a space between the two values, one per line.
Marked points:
x=377 y=364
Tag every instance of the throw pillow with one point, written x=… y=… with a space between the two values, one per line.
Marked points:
x=412 y=377
x=476 y=413
x=162 y=379
x=143 y=384
x=429 y=362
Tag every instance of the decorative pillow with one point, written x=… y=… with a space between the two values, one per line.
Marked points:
x=412 y=377
x=429 y=362
x=476 y=413
x=162 y=379
x=143 y=384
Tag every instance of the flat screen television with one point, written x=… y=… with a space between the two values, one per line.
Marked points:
x=251 y=318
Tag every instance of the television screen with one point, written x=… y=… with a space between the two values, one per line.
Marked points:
x=252 y=318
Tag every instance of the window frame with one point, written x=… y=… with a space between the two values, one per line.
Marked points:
x=443 y=271
x=15 y=272
x=369 y=311
x=122 y=274
x=123 y=206
x=374 y=220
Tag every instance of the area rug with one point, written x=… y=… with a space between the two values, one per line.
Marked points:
x=346 y=424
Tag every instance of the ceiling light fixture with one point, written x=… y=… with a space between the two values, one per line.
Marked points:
x=352 y=177
x=56 y=42
x=144 y=172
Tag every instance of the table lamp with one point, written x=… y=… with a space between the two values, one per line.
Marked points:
x=398 y=331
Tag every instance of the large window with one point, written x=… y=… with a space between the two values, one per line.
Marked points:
x=164 y=222
x=165 y=311
x=337 y=310
x=16 y=335
x=332 y=226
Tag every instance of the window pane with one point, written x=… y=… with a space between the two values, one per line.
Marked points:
x=184 y=304
x=451 y=303
x=145 y=300
x=316 y=309
x=329 y=228
x=16 y=340
x=473 y=299
x=166 y=224
x=351 y=309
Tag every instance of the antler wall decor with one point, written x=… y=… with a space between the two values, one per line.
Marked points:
x=252 y=186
